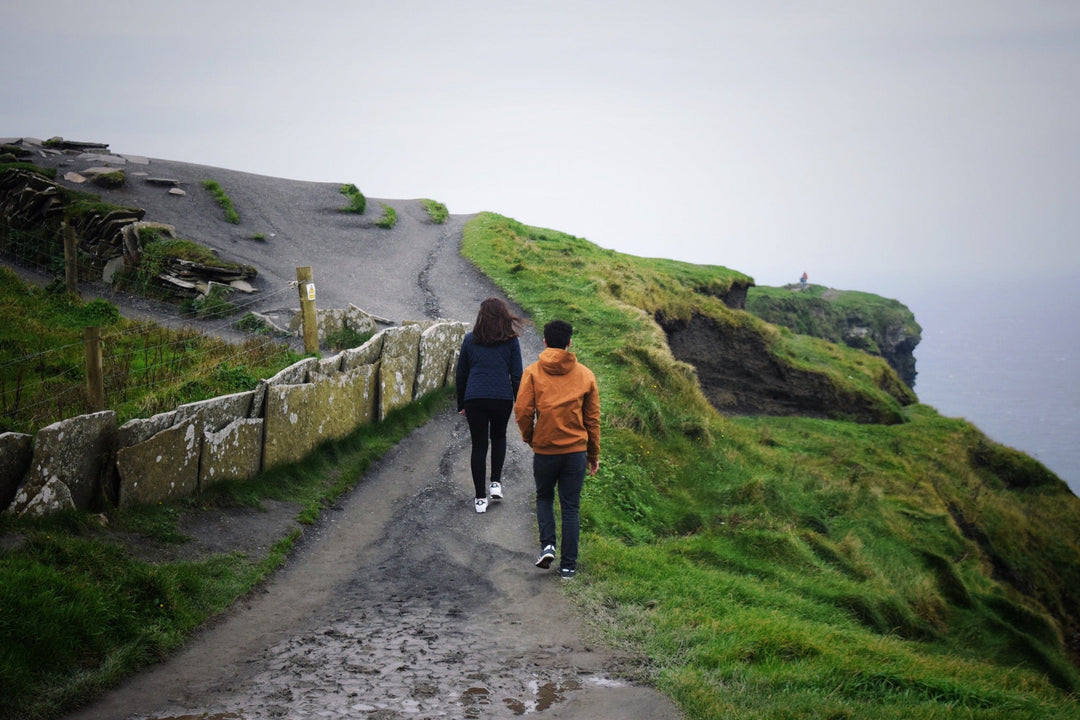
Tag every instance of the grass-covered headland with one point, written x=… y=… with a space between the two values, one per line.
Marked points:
x=795 y=567
x=769 y=567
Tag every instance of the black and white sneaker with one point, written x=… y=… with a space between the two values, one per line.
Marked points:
x=567 y=573
x=481 y=504
x=547 y=555
x=495 y=491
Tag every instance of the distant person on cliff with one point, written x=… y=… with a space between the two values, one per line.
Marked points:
x=488 y=374
x=558 y=412
x=803 y=279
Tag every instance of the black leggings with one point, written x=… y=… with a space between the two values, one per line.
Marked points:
x=487 y=419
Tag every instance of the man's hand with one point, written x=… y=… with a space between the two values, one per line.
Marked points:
x=594 y=465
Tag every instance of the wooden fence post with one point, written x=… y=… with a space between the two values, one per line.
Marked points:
x=306 y=286
x=71 y=266
x=95 y=383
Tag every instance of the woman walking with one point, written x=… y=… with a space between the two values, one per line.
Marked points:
x=488 y=374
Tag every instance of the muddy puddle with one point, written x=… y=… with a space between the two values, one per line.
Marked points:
x=431 y=702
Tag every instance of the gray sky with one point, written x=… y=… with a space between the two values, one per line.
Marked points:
x=876 y=145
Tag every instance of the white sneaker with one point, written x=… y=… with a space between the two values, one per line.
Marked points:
x=481 y=505
x=546 y=556
x=495 y=491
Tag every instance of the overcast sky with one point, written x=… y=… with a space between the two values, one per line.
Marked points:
x=875 y=145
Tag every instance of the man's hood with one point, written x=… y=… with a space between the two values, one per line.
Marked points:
x=556 y=361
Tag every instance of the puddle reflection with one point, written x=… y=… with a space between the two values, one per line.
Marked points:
x=543 y=696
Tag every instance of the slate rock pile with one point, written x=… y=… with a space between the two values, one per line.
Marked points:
x=108 y=236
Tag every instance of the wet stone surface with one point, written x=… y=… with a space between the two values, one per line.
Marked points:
x=404 y=657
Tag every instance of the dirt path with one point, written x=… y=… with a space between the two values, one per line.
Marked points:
x=402 y=602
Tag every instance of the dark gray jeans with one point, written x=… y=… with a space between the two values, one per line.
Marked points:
x=567 y=474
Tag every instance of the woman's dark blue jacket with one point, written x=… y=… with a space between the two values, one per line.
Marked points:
x=492 y=372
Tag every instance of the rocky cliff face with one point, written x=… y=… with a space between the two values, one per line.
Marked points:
x=734 y=296
x=863 y=321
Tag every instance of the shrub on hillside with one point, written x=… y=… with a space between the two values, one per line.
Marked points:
x=357 y=201
x=110 y=180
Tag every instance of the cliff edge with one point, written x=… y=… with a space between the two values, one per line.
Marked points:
x=876 y=325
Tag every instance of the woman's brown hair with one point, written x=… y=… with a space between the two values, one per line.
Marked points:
x=495 y=323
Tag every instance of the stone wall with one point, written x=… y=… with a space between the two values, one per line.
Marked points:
x=89 y=463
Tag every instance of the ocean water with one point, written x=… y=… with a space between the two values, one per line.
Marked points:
x=1006 y=357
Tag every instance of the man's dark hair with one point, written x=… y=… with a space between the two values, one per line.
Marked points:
x=557 y=334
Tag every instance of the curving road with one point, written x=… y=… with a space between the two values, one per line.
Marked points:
x=402 y=602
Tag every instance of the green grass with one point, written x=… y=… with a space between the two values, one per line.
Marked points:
x=346 y=338
x=148 y=368
x=98 y=612
x=436 y=211
x=14 y=150
x=796 y=567
x=767 y=567
x=212 y=306
x=357 y=201
x=160 y=254
x=22 y=165
x=78 y=612
x=223 y=200
x=110 y=180
x=388 y=218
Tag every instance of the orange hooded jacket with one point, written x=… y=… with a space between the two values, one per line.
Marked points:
x=558 y=406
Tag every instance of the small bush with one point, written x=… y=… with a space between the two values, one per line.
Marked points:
x=389 y=217
x=254 y=324
x=15 y=150
x=110 y=180
x=212 y=305
x=235 y=379
x=149 y=236
x=436 y=211
x=357 y=201
x=346 y=338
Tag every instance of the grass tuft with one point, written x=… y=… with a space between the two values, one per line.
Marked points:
x=357 y=201
x=436 y=211
x=223 y=200
x=389 y=217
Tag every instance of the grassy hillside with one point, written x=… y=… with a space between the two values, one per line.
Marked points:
x=796 y=567
x=771 y=567
x=148 y=369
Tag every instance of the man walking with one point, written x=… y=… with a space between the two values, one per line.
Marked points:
x=558 y=412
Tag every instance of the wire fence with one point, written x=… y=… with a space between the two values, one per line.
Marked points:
x=147 y=368
x=151 y=370
x=41 y=249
